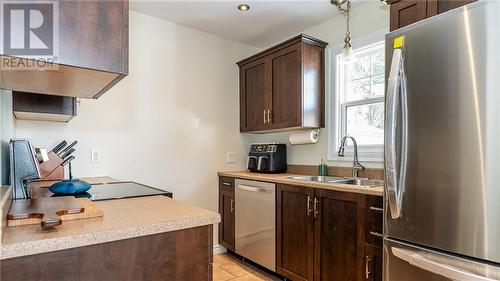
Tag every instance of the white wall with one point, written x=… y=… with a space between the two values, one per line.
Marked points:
x=371 y=16
x=169 y=123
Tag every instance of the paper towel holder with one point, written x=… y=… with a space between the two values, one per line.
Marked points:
x=304 y=137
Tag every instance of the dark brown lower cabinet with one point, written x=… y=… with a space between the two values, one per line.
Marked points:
x=321 y=235
x=179 y=255
x=373 y=238
x=373 y=263
x=295 y=232
x=338 y=236
x=226 y=210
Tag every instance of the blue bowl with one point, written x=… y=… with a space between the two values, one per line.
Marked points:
x=70 y=187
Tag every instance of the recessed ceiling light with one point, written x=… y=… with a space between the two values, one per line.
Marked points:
x=243 y=7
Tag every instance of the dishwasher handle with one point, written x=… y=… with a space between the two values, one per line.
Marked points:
x=253 y=188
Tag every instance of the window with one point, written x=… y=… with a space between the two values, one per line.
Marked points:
x=357 y=98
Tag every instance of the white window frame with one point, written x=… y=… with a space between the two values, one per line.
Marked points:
x=366 y=153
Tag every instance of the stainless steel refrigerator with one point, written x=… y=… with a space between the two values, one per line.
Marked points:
x=442 y=147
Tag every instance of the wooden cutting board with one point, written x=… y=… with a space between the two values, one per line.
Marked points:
x=90 y=211
x=48 y=210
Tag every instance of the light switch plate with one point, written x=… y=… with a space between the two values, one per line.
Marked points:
x=95 y=156
x=231 y=157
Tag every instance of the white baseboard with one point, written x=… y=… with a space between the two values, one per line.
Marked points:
x=218 y=249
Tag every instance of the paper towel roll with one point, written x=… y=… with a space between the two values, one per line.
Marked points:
x=306 y=137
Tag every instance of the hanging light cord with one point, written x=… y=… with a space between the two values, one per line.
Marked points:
x=347 y=39
x=346 y=12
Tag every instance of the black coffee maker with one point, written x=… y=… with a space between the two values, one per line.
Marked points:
x=267 y=158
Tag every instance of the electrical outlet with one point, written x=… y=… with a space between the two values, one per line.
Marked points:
x=231 y=157
x=95 y=156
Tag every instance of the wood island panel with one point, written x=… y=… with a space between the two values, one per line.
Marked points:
x=178 y=255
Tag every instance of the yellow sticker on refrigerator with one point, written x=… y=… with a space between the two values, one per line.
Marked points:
x=399 y=42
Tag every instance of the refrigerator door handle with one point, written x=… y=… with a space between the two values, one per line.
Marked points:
x=451 y=272
x=396 y=102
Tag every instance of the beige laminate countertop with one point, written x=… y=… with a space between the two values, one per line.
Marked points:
x=123 y=219
x=283 y=178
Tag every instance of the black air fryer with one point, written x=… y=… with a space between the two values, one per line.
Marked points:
x=267 y=158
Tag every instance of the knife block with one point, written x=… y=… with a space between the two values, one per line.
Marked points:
x=52 y=169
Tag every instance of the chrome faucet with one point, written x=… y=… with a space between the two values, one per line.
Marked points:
x=356 y=166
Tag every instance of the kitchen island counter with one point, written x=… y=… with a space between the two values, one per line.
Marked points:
x=123 y=219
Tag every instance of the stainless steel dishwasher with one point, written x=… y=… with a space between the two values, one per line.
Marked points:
x=255 y=222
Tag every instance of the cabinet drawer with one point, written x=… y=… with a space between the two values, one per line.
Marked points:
x=373 y=233
x=374 y=221
x=226 y=183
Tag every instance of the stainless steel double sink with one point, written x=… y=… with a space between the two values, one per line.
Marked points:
x=358 y=182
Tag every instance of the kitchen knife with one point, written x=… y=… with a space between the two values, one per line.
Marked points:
x=67 y=148
x=68 y=160
x=41 y=155
x=59 y=147
x=68 y=153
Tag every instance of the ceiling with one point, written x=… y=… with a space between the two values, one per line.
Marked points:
x=266 y=22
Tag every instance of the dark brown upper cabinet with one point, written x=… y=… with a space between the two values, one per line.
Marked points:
x=92 y=52
x=283 y=88
x=435 y=7
x=406 y=12
x=28 y=106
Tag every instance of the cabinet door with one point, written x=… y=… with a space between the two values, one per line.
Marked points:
x=339 y=236
x=254 y=96
x=435 y=7
x=286 y=102
x=295 y=232
x=94 y=34
x=373 y=263
x=226 y=210
x=405 y=12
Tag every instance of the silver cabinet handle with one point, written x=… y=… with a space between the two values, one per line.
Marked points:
x=367 y=267
x=265 y=114
x=232 y=205
x=269 y=116
x=253 y=189
x=316 y=207
x=395 y=103
x=377 y=209
x=226 y=183
x=376 y=234
x=449 y=271
x=309 y=200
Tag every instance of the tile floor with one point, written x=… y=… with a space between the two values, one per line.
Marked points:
x=227 y=267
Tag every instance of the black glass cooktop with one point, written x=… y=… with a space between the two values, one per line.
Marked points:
x=121 y=190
